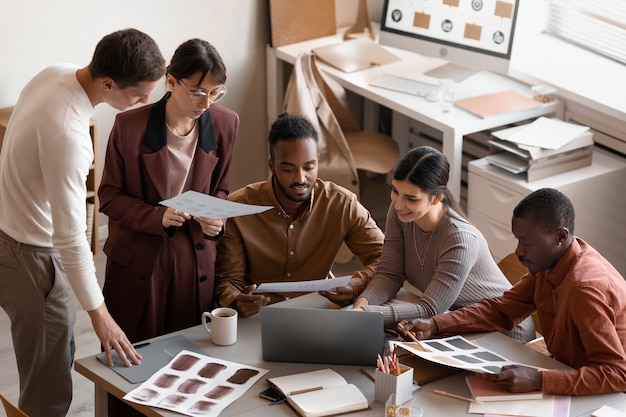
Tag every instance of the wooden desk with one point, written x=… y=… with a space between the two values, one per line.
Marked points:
x=453 y=125
x=247 y=350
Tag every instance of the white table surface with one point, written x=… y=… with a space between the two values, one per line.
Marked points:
x=247 y=350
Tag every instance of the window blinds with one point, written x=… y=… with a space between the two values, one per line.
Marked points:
x=598 y=25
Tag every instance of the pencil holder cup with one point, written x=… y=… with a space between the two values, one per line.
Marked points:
x=401 y=386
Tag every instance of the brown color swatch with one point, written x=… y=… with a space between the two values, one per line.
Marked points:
x=219 y=392
x=211 y=369
x=190 y=386
x=201 y=407
x=184 y=362
x=242 y=376
x=165 y=380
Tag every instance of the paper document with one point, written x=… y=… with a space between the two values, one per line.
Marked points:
x=203 y=205
x=497 y=103
x=304 y=286
x=508 y=162
x=547 y=133
x=196 y=385
x=355 y=54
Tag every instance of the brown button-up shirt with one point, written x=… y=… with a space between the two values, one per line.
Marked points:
x=272 y=246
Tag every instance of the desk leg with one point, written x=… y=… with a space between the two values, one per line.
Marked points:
x=371 y=115
x=101 y=408
x=453 y=150
x=400 y=130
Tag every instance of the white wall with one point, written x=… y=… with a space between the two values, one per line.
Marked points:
x=37 y=33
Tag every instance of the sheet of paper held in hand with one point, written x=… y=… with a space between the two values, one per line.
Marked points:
x=203 y=205
x=304 y=286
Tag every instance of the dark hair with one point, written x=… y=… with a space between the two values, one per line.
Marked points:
x=129 y=57
x=428 y=169
x=290 y=127
x=548 y=208
x=197 y=55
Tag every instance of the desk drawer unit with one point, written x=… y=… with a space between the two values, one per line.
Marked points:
x=598 y=193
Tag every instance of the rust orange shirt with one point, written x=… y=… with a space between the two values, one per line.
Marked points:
x=581 y=306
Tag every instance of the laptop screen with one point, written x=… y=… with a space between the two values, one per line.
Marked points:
x=319 y=335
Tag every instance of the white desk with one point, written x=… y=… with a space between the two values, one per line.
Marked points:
x=247 y=350
x=453 y=125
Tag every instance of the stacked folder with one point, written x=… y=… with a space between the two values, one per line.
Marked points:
x=541 y=149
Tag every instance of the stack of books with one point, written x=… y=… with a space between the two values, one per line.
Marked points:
x=541 y=149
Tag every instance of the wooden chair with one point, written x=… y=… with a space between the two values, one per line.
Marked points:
x=11 y=409
x=513 y=270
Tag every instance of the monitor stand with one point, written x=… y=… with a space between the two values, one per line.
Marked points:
x=452 y=71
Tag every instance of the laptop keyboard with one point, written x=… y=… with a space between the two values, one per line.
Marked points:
x=420 y=88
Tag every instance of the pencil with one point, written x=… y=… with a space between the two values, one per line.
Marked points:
x=367 y=374
x=413 y=338
x=458 y=397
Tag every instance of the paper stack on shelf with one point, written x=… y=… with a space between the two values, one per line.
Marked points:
x=542 y=148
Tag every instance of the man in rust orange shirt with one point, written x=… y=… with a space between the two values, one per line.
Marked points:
x=580 y=299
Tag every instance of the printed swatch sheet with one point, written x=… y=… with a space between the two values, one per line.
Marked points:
x=196 y=385
x=458 y=352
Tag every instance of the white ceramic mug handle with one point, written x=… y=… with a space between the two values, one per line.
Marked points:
x=205 y=324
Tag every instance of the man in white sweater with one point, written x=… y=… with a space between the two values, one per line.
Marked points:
x=44 y=252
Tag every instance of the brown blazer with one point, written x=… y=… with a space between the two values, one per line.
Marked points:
x=135 y=180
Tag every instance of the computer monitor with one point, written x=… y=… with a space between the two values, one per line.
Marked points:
x=471 y=35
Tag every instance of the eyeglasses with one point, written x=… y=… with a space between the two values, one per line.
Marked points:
x=198 y=96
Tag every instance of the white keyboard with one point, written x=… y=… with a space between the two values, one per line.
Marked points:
x=416 y=87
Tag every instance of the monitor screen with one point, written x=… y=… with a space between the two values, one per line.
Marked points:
x=473 y=34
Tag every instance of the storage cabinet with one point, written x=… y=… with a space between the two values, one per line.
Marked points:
x=92 y=180
x=598 y=193
x=475 y=145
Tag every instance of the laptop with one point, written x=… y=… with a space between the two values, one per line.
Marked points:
x=314 y=334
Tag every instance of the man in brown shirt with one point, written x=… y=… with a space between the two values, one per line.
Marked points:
x=300 y=237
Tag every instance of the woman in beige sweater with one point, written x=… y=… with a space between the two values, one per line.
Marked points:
x=432 y=245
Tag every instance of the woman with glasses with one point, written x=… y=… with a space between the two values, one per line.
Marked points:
x=159 y=273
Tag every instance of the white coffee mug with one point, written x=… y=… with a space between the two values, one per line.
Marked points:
x=222 y=325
